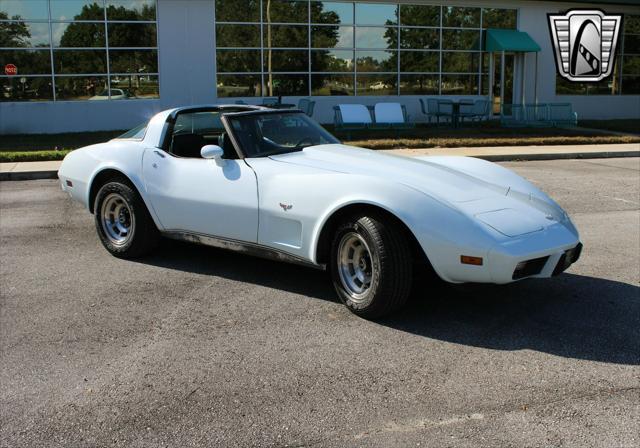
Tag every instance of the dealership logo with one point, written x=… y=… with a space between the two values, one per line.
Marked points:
x=585 y=43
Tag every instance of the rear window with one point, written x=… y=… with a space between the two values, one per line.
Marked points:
x=136 y=133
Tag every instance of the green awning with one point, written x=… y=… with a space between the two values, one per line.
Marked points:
x=510 y=40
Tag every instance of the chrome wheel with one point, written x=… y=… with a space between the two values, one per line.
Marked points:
x=355 y=266
x=117 y=220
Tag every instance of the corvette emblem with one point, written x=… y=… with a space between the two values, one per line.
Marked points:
x=585 y=43
x=286 y=207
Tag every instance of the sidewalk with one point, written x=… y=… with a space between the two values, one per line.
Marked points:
x=48 y=170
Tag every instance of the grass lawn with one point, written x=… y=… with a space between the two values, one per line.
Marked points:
x=23 y=148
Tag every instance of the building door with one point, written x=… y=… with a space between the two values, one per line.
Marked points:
x=503 y=73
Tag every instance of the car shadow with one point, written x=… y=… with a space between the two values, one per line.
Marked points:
x=572 y=316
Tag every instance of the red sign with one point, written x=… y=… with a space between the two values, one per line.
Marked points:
x=10 y=70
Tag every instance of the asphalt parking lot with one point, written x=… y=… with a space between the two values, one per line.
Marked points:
x=199 y=347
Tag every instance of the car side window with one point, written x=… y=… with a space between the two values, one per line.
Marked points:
x=192 y=131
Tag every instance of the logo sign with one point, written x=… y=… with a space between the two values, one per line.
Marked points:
x=10 y=70
x=585 y=43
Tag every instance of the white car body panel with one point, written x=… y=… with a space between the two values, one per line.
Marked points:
x=453 y=206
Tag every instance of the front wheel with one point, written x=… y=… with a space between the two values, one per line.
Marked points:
x=371 y=265
x=123 y=222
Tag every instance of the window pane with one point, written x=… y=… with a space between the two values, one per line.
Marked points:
x=287 y=60
x=376 y=14
x=419 y=84
x=134 y=87
x=285 y=11
x=78 y=34
x=418 y=39
x=376 y=61
x=420 y=15
x=238 y=60
x=332 y=37
x=370 y=37
x=24 y=34
x=331 y=85
x=131 y=9
x=632 y=43
x=24 y=10
x=132 y=35
x=133 y=61
x=564 y=87
x=631 y=24
x=631 y=65
x=332 y=61
x=631 y=85
x=460 y=62
x=460 y=40
x=238 y=36
x=499 y=18
x=237 y=10
x=81 y=88
x=77 y=10
x=291 y=36
x=239 y=85
x=288 y=85
x=377 y=85
x=80 y=61
x=331 y=12
x=28 y=62
x=420 y=61
x=32 y=89
x=453 y=16
x=459 y=84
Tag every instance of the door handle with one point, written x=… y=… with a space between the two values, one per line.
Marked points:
x=159 y=154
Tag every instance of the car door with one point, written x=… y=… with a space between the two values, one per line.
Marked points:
x=211 y=197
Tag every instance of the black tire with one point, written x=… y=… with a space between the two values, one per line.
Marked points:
x=144 y=234
x=390 y=258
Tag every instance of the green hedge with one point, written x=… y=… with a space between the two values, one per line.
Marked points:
x=33 y=156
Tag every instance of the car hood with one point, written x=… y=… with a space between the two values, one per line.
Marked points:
x=488 y=192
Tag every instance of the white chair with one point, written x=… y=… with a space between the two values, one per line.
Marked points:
x=392 y=115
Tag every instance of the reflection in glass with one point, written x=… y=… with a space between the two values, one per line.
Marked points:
x=376 y=61
x=420 y=15
x=376 y=14
x=631 y=24
x=287 y=60
x=420 y=61
x=632 y=43
x=286 y=36
x=285 y=11
x=134 y=87
x=287 y=85
x=32 y=89
x=81 y=88
x=460 y=40
x=237 y=10
x=133 y=61
x=332 y=60
x=131 y=9
x=24 y=34
x=377 y=84
x=375 y=37
x=331 y=37
x=239 y=85
x=420 y=38
x=28 y=62
x=460 y=62
x=80 y=61
x=132 y=35
x=238 y=61
x=419 y=84
x=78 y=34
x=631 y=64
x=238 y=36
x=459 y=84
x=332 y=12
x=24 y=10
x=499 y=18
x=77 y=10
x=453 y=16
x=331 y=85
x=631 y=85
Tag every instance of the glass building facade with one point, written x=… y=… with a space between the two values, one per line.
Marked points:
x=63 y=50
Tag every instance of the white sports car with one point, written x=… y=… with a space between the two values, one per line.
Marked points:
x=274 y=183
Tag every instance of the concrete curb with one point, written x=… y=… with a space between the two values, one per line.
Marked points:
x=53 y=174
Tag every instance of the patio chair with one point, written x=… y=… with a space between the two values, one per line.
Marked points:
x=562 y=114
x=391 y=115
x=445 y=109
x=466 y=110
x=307 y=106
x=537 y=115
x=351 y=117
x=430 y=109
x=512 y=115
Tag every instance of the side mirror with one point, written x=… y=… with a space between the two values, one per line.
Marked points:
x=212 y=152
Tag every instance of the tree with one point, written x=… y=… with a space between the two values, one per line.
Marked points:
x=13 y=34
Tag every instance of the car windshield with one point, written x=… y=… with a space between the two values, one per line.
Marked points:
x=269 y=133
x=135 y=133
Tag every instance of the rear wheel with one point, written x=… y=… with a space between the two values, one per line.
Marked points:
x=123 y=222
x=371 y=265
